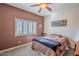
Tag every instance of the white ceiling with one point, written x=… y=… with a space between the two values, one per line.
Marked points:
x=56 y=7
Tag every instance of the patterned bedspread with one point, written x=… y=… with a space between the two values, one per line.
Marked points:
x=48 y=42
x=49 y=46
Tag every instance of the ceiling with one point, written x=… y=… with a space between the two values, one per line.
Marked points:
x=56 y=7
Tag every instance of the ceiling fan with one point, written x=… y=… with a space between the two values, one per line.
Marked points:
x=42 y=6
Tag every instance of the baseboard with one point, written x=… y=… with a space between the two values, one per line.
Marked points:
x=9 y=49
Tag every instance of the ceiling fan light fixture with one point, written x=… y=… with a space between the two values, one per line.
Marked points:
x=43 y=5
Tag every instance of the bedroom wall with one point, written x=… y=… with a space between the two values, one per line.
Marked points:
x=72 y=28
x=77 y=34
x=7 y=26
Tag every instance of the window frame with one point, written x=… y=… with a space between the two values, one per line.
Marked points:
x=28 y=21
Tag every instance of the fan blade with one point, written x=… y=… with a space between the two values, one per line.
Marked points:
x=49 y=8
x=40 y=10
x=49 y=3
x=35 y=5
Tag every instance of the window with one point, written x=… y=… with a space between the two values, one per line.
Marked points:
x=25 y=27
x=18 y=27
x=30 y=27
x=34 y=25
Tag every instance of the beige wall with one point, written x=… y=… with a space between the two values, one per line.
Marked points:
x=70 y=30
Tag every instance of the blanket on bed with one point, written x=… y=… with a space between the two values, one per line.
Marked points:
x=48 y=42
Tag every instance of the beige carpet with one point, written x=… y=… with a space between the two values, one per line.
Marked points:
x=22 y=51
x=28 y=51
x=70 y=52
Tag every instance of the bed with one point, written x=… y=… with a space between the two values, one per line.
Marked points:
x=53 y=45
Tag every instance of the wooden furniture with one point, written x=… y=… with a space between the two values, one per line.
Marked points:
x=77 y=49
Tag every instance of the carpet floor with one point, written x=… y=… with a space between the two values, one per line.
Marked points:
x=28 y=51
x=70 y=52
